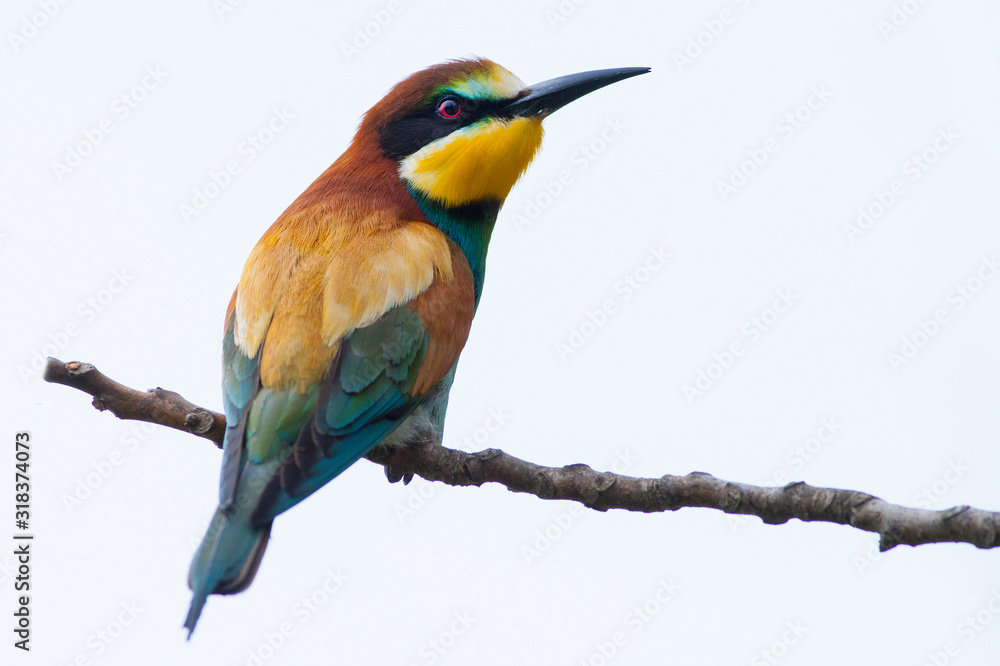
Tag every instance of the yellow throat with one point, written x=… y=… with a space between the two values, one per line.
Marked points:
x=477 y=163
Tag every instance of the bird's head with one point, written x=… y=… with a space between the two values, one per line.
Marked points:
x=464 y=131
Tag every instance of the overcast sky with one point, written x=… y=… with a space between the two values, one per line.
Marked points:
x=772 y=259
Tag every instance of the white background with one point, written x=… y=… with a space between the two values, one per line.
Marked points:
x=126 y=538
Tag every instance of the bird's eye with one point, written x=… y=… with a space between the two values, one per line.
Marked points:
x=449 y=108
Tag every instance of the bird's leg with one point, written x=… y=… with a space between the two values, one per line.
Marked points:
x=398 y=457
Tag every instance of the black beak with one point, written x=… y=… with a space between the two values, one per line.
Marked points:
x=543 y=98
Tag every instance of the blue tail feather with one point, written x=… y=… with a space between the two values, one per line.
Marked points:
x=227 y=559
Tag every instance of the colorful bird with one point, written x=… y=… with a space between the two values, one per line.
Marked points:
x=346 y=326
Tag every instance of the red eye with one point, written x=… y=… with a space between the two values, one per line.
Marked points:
x=449 y=108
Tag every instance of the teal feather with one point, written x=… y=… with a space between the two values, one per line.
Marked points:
x=469 y=226
x=361 y=403
x=271 y=432
x=261 y=426
x=241 y=379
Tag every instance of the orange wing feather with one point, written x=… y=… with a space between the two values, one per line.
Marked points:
x=307 y=286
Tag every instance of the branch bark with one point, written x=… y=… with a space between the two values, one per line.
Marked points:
x=894 y=524
x=153 y=406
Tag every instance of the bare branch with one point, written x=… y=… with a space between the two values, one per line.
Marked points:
x=153 y=406
x=598 y=490
x=604 y=490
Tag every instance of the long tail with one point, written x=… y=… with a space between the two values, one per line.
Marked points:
x=227 y=559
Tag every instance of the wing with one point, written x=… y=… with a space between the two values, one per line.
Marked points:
x=354 y=343
x=241 y=382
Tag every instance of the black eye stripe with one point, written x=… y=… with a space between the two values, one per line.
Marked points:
x=406 y=136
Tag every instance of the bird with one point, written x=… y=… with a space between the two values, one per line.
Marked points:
x=345 y=328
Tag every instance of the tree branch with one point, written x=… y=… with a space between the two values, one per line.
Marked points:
x=598 y=490
x=153 y=406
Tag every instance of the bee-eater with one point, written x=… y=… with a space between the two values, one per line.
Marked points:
x=346 y=326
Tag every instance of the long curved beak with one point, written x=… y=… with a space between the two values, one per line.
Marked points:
x=543 y=98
